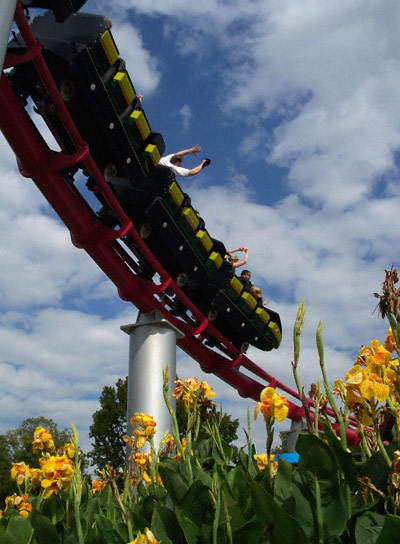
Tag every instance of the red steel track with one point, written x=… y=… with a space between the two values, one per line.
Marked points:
x=44 y=166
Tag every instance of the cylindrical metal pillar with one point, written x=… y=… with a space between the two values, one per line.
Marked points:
x=152 y=346
x=7 y=10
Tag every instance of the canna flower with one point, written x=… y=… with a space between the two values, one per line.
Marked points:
x=19 y=502
x=144 y=426
x=272 y=405
x=262 y=462
x=19 y=471
x=168 y=446
x=42 y=440
x=372 y=386
x=57 y=473
x=143 y=461
x=191 y=390
x=35 y=476
x=147 y=538
x=381 y=355
x=98 y=485
x=70 y=450
x=178 y=453
x=390 y=342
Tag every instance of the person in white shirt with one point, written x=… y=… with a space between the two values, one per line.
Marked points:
x=175 y=160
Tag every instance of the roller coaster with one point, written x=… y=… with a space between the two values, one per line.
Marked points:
x=132 y=218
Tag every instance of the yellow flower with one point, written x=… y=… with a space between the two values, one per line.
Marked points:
x=372 y=386
x=144 y=426
x=35 y=476
x=15 y=501
x=178 y=453
x=191 y=389
x=18 y=472
x=381 y=355
x=355 y=376
x=143 y=461
x=262 y=461
x=390 y=343
x=147 y=538
x=98 y=485
x=42 y=440
x=272 y=405
x=57 y=473
x=70 y=450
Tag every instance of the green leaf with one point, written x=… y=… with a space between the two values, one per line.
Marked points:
x=92 y=508
x=45 y=531
x=195 y=513
x=345 y=460
x=228 y=452
x=53 y=508
x=316 y=478
x=109 y=531
x=165 y=526
x=368 y=528
x=203 y=450
x=18 y=530
x=172 y=479
x=280 y=526
x=375 y=468
x=238 y=484
x=390 y=530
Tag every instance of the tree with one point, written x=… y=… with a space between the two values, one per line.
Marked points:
x=109 y=425
x=16 y=446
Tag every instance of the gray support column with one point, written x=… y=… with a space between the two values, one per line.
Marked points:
x=7 y=10
x=152 y=346
x=296 y=427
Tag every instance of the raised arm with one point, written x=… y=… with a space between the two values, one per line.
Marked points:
x=244 y=260
x=195 y=149
x=197 y=169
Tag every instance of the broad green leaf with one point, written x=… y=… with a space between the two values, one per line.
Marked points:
x=316 y=475
x=375 y=468
x=45 y=531
x=53 y=508
x=228 y=452
x=368 y=528
x=195 y=513
x=390 y=533
x=18 y=530
x=345 y=459
x=108 y=532
x=281 y=527
x=173 y=480
x=165 y=526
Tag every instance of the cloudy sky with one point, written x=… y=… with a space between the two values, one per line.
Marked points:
x=297 y=105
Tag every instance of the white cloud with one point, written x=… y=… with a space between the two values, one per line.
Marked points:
x=142 y=67
x=186 y=116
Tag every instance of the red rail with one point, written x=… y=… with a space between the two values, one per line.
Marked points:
x=44 y=166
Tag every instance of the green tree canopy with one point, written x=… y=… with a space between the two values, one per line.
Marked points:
x=109 y=426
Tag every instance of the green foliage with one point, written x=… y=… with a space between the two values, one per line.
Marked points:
x=109 y=425
x=16 y=446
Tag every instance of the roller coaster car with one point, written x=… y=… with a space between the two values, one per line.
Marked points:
x=84 y=62
x=62 y=9
x=95 y=86
x=172 y=231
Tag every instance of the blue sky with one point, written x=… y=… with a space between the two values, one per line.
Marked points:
x=297 y=106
